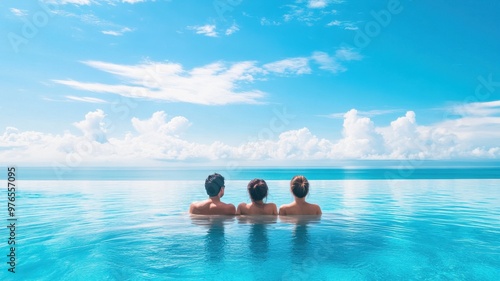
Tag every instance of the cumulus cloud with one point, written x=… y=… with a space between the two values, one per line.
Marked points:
x=360 y=138
x=159 y=138
x=157 y=124
x=93 y=127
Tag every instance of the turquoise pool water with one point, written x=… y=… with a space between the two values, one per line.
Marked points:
x=371 y=230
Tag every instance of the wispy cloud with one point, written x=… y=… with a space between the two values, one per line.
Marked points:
x=491 y=108
x=107 y=27
x=310 y=11
x=347 y=25
x=207 y=30
x=266 y=21
x=133 y=1
x=117 y=32
x=334 y=63
x=217 y=83
x=18 y=12
x=289 y=66
x=214 y=84
x=334 y=23
x=369 y=113
x=89 y=2
x=75 y=2
x=317 y=4
x=86 y=99
x=232 y=29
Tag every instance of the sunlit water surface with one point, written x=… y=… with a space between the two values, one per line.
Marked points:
x=370 y=230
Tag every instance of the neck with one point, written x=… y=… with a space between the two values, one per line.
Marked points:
x=215 y=199
x=300 y=200
x=260 y=202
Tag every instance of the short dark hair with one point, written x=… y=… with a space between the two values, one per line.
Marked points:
x=299 y=186
x=257 y=188
x=213 y=184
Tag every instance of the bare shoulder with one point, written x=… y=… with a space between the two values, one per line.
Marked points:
x=272 y=207
x=283 y=209
x=241 y=206
x=317 y=209
x=230 y=209
x=195 y=207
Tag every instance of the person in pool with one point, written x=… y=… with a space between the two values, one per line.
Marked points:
x=257 y=189
x=299 y=186
x=214 y=185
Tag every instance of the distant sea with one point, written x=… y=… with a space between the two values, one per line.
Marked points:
x=247 y=173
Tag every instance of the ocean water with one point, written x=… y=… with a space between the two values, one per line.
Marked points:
x=388 y=228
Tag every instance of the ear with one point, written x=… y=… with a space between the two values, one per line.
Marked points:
x=221 y=192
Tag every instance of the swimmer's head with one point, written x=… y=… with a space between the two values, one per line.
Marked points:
x=299 y=186
x=213 y=184
x=257 y=188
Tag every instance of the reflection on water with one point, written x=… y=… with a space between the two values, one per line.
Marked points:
x=258 y=240
x=300 y=244
x=215 y=240
x=300 y=236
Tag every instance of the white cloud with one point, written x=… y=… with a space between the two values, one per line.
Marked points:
x=157 y=124
x=232 y=29
x=89 y=2
x=213 y=84
x=86 y=99
x=360 y=138
x=217 y=83
x=334 y=23
x=18 y=12
x=265 y=21
x=350 y=26
x=369 y=113
x=317 y=4
x=75 y=2
x=207 y=30
x=310 y=12
x=346 y=54
x=158 y=138
x=334 y=63
x=347 y=25
x=133 y=1
x=491 y=108
x=289 y=66
x=117 y=32
x=93 y=127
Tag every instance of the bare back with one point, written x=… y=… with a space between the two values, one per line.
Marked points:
x=302 y=208
x=257 y=209
x=209 y=207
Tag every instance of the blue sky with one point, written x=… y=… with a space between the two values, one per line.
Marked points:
x=156 y=82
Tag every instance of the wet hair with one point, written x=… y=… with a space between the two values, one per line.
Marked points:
x=299 y=186
x=213 y=184
x=257 y=189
